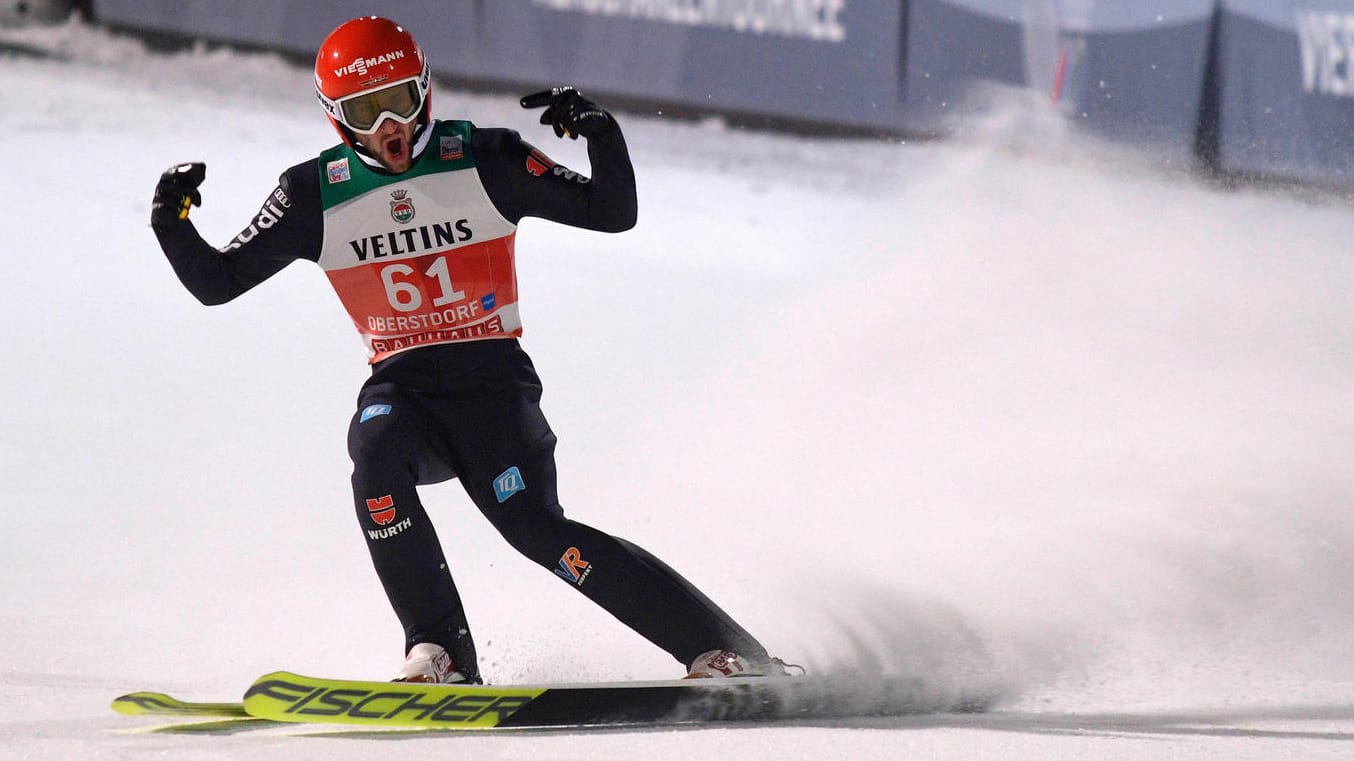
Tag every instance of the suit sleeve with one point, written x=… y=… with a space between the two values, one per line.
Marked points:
x=288 y=226
x=523 y=182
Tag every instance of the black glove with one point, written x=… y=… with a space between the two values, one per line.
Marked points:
x=569 y=112
x=175 y=193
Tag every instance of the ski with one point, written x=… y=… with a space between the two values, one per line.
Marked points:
x=160 y=704
x=202 y=725
x=289 y=697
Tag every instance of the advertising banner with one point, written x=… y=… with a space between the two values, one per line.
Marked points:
x=1264 y=87
x=828 y=61
x=1287 y=90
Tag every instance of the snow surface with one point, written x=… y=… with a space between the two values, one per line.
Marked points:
x=1009 y=407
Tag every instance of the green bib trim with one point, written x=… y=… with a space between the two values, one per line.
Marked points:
x=344 y=176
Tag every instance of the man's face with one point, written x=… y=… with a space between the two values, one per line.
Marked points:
x=391 y=144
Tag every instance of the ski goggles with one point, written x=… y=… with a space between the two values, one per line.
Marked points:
x=362 y=112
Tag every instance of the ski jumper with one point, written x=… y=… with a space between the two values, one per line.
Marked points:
x=423 y=262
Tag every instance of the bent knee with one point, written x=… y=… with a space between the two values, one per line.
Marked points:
x=534 y=533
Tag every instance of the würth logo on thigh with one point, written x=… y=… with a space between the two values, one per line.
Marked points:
x=382 y=510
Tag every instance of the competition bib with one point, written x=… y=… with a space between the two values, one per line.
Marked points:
x=419 y=258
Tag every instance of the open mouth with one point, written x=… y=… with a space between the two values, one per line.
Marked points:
x=397 y=149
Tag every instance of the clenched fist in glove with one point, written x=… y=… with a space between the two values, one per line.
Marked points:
x=175 y=193
x=569 y=112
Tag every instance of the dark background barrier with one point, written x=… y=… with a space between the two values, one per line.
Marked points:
x=1252 y=87
x=1286 y=90
x=1132 y=72
x=1141 y=86
x=824 y=61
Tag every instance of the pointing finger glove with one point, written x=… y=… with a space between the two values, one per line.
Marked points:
x=569 y=112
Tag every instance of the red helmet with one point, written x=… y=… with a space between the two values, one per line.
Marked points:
x=370 y=69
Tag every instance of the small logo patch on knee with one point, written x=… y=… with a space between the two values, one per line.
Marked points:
x=508 y=483
x=374 y=410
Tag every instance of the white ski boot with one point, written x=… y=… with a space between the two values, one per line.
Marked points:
x=429 y=663
x=722 y=664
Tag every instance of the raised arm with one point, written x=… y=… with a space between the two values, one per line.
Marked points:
x=523 y=182
x=287 y=227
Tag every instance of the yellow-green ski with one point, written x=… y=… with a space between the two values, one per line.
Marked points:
x=160 y=704
x=285 y=696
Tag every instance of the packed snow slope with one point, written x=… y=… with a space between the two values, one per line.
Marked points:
x=1009 y=408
